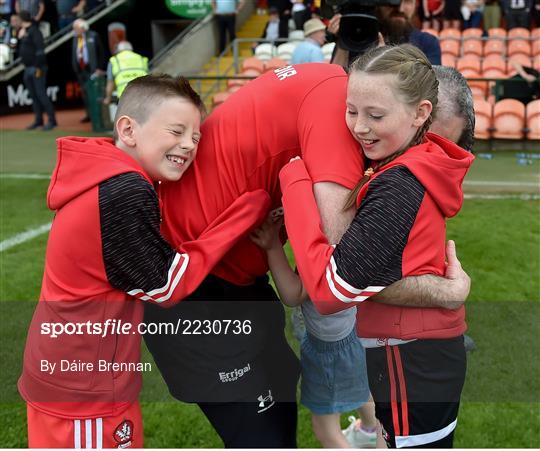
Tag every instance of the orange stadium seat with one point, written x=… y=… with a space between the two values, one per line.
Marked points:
x=449 y=33
x=535 y=33
x=236 y=83
x=536 y=63
x=508 y=119
x=533 y=119
x=472 y=33
x=483 y=112
x=536 y=47
x=478 y=88
x=219 y=98
x=519 y=47
x=519 y=33
x=448 y=60
x=468 y=62
x=494 y=64
x=450 y=47
x=494 y=46
x=274 y=63
x=233 y=88
x=472 y=46
x=253 y=63
x=499 y=33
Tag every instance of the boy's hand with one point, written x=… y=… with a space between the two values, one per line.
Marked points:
x=267 y=235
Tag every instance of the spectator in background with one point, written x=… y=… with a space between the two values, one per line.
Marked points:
x=11 y=35
x=397 y=28
x=537 y=13
x=309 y=50
x=517 y=13
x=300 y=13
x=5 y=9
x=271 y=29
x=433 y=10
x=492 y=14
x=68 y=11
x=452 y=14
x=284 y=8
x=225 y=12
x=474 y=10
x=125 y=65
x=32 y=52
x=36 y=8
x=87 y=59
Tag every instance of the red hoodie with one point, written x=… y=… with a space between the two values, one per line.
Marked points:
x=399 y=230
x=104 y=243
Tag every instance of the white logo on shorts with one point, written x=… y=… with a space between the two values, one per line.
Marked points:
x=265 y=402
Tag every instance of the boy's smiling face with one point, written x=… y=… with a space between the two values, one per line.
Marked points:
x=166 y=143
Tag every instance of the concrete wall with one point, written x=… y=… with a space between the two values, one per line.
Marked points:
x=199 y=46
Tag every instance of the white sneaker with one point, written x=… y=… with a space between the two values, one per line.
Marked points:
x=357 y=437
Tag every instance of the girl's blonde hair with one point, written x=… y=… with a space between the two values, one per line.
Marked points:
x=415 y=81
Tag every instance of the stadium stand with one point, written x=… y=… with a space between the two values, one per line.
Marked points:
x=509 y=119
x=499 y=33
x=519 y=33
x=265 y=51
x=483 y=112
x=285 y=50
x=254 y=64
x=533 y=119
x=472 y=33
x=495 y=46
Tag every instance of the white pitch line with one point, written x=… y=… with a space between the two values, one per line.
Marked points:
x=499 y=183
x=26 y=176
x=503 y=196
x=24 y=236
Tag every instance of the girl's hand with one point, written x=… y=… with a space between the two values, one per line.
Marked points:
x=267 y=235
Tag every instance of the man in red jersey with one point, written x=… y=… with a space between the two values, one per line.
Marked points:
x=246 y=383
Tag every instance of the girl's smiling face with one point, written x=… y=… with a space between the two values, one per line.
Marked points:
x=377 y=116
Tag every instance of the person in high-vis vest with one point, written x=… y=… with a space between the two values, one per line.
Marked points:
x=125 y=65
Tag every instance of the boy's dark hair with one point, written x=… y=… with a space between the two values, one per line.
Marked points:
x=143 y=94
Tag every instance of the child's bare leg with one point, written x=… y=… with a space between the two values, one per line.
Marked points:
x=381 y=443
x=327 y=429
x=366 y=413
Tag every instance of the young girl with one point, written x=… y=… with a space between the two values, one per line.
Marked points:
x=334 y=377
x=415 y=356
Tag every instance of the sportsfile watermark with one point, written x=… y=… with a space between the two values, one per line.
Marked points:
x=119 y=327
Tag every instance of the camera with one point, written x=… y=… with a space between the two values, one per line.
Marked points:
x=359 y=26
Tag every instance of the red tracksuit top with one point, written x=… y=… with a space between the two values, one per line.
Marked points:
x=399 y=230
x=105 y=253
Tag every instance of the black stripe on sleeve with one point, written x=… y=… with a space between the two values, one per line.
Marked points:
x=370 y=252
x=135 y=254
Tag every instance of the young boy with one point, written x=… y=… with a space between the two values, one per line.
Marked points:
x=82 y=372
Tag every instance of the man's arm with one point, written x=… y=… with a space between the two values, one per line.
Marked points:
x=448 y=292
x=428 y=290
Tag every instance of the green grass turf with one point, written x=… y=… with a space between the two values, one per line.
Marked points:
x=498 y=244
x=30 y=151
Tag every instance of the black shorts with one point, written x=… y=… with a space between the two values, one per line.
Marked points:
x=452 y=10
x=224 y=366
x=417 y=387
